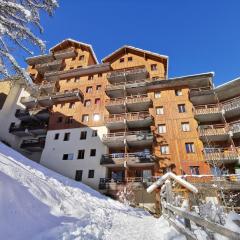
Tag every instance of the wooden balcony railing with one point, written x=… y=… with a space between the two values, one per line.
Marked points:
x=125 y=134
x=120 y=85
x=217 y=129
x=127 y=71
x=207 y=109
x=231 y=104
x=119 y=158
x=220 y=154
x=201 y=89
x=128 y=100
x=128 y=116
x=235 y=127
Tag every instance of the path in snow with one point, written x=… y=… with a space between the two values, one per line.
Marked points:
x=37 y=203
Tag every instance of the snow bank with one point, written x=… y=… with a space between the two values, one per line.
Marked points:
x=37 y=203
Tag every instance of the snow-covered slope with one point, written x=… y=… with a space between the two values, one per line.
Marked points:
x=37 y=203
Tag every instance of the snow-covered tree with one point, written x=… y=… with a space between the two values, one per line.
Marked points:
x=18 y=19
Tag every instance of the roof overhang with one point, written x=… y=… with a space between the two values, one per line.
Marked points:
x=191 y=81
x=228 y=90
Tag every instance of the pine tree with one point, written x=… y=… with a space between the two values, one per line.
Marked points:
x=17 y=20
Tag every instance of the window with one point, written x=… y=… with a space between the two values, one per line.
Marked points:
x=66 y=137
x=91 y=174
x=121 y=60
x=71 y=105
x=98 y=87
x=90 y=77
x=155 y=78
x=68 y=156
x=75 y=90
x=81 y=154
x=79 y=66
x=159 y=111
x=85 y=118
x=153 y=67
x=181 y=108
x=81 y=58
x=92 y=152
x=100 y=75
x=69 y=120
x=78 y=175
x=89 y=90
x=94 y=133
x=73 y=58
x=164 y=149
x=60 y=119
x=97 y=101
x=83 y=135
x=87 y=103
x=96 y=117
x=190 y=147
x=157 y=94
x=194 y=170
x=185 y=127
x=56 y=136
x=68 y=80
x=161 y=128
x=178 y=92
x=130 y=59
x=62 y=105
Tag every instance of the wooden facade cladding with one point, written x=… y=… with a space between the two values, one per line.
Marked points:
x=130 y=93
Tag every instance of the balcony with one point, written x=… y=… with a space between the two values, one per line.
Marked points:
x=66 y=53
x=136 y=159
x=116 y=184
x=127 y=75
x=208 y=113
x=35 y=114
x=131 y=120
x=33 y=145
x=221 y=155
x=232 y=107
x=117 y=90
x=29 y=130
x=51 y=99
x=202 y=96
x=235 y=129
x=55 y=65
x=218 y=132
x=136 y=103
x=132 y=139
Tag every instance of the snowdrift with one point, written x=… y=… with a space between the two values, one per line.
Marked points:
x=37 y=203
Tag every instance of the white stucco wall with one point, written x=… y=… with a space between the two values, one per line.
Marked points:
x=7 y=116
x=54 y=149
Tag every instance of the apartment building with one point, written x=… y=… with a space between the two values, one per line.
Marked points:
x=123 y=120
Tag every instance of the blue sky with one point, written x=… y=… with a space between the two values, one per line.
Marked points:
x=198 y=36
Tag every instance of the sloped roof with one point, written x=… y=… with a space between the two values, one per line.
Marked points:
x=132 y=49
x=88 y=46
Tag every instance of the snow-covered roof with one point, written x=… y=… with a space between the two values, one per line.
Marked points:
x=77 y=42
x=133 y=48
x=234 y=81
x=193 y=75
x=178 y=179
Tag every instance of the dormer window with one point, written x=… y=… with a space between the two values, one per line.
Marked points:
x=121 y=60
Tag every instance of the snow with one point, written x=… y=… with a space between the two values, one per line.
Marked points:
x=37 y=203
x=178 y=179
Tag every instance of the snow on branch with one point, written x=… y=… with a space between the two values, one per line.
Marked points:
x=17 y=19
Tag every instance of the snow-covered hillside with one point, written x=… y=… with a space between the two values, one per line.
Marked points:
x=36 y=203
